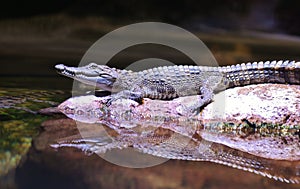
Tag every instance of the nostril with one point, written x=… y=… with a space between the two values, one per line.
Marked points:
x=60 y=67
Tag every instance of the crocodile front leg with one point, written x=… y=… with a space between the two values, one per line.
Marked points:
x=126 y=94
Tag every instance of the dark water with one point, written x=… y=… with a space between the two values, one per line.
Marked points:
x=27 y=161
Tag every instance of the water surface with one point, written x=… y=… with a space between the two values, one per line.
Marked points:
x=27 y=160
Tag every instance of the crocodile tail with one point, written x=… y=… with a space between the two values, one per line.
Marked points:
x=282 y=72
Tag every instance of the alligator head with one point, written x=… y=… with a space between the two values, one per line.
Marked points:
x=100 y=76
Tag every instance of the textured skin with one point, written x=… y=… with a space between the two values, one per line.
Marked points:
x=174 y=81
x=170 y=82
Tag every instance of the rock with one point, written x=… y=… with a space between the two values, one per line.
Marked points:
x=274 y=104
x=49 y=111
x=258 y=123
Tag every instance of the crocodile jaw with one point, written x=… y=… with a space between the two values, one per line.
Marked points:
x=85 y=74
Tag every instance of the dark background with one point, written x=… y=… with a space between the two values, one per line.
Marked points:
x=268 y=15
x=35 y=35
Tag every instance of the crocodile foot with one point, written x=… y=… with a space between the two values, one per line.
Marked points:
x=136 y=96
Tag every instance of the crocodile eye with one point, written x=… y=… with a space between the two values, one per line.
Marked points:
x=93 y=66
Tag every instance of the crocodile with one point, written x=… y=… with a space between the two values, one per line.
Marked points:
x=139 y=126
x=169 y=82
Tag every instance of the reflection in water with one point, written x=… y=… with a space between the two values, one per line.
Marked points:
x=45 y=167
x=70 y=168
x=168 y=144
x=155 y=128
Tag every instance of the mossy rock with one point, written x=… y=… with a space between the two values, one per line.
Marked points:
x=20 y=123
